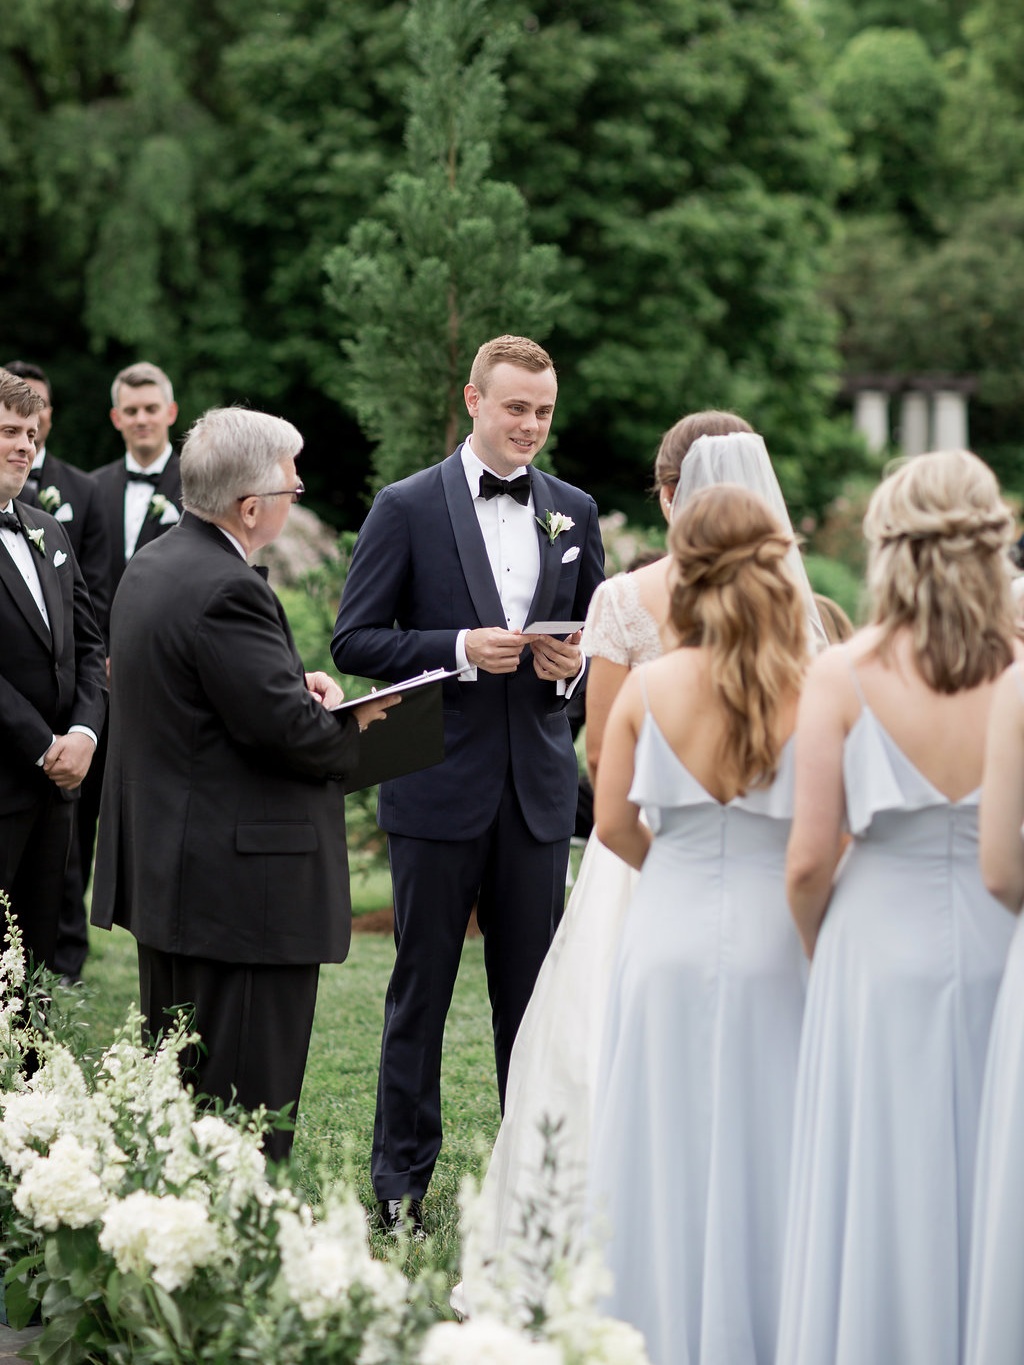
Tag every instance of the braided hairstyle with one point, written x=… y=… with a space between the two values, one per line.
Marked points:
x=939 y=535
x=732 y=592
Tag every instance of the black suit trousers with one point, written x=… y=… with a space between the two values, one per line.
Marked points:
x=518 y=886
x=34 y=848
x=255 y=1022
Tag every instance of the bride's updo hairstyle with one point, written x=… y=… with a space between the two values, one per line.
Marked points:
x=939 y=534
x=679 y=438
x=733 y=593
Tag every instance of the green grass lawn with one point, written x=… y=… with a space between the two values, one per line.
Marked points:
x=336 y=1115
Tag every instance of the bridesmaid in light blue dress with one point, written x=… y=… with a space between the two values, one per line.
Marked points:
x=908 y=946
x=995 y=1311
x=692 y=1129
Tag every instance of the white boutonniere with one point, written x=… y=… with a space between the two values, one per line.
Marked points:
x=36 y=537
x=162 y=507
x=49 y=498
x=555 y=523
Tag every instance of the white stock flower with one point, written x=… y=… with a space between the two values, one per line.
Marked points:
x=61 y=1188
x=160 y=1235
x=484 y=1341
x=238 y=1157
x=321 y=1262
x=30 y=1123
x=604 y=1341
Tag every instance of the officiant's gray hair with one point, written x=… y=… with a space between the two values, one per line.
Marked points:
x=231 y=453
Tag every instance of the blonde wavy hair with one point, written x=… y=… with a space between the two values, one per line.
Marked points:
x=732 y=592
x=938 y=565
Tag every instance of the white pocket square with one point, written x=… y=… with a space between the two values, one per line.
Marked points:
x=65 y=512
x=570 y=554
x=59 y=558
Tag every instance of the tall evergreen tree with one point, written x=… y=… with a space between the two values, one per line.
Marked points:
x=445 y=261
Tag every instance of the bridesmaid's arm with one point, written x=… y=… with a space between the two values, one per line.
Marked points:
x=1002 y=797
x=616 y=818
x=816 y=840
x=604 y=680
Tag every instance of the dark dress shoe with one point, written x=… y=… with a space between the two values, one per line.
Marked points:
x=402 y=1217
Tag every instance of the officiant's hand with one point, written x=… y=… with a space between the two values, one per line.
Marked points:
x=554 y=659
x=373 y=708
x=494 y=650
x=67 y=760
x=323 y=687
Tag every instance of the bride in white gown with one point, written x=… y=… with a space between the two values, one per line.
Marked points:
x=553 y=1072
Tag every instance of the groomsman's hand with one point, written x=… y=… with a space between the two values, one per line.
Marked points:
x=554 y=659
x=495 y=650
x=374 y=708
x=67 y=760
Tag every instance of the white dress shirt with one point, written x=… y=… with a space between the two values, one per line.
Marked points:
x=513 y=552
x=24 y=558
x=137 y=497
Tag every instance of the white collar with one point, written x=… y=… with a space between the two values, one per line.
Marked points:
x=156 y=466
x=234 y=541
x=37 y=463
x=474 y=466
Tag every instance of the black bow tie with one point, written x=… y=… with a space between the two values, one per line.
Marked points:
x=491 y=486
x=9 y=522
x=134 y=476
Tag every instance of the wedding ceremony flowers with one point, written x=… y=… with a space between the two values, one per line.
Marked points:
x=49 y=498
x=140 y=1227
x=37 y=539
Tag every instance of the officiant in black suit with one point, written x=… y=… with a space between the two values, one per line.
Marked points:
x=450 y=565
x=73 y=498
x=52 y=683
x=222 y=824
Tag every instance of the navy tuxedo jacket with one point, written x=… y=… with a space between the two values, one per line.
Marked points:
x=222 y=822
x=49 y=679
x=112 y=480
x=82 y=516
x=419 y=576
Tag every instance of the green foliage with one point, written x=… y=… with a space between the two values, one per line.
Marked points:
x=445 y=262
x=887 y=91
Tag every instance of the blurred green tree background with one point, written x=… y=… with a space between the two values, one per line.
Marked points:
x=321 y=207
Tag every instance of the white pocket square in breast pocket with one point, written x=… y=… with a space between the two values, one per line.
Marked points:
x=59 y=558
x=570 y=554
x=65 y=512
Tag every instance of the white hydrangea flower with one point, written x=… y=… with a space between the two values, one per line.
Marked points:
x=604 y=1341
x=238 y=1155
x=61 y=1188
x=31 y=1121
x=485 y=1341
x=160 y=1235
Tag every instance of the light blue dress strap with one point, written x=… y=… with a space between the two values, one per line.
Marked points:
x=1018 y=678
x=853 y=675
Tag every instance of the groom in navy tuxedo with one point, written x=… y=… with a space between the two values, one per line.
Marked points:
x=449 y=567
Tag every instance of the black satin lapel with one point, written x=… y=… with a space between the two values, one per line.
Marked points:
x=550 y=557
x=10 y=574
x=476 y=566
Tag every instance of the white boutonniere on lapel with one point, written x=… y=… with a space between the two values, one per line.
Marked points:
x=37 y=539
x=554 y=523
x=49 y=498
x=162 y=507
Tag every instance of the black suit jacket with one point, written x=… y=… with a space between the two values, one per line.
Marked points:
x=419 y=575
x=78 y=509
x=49 y=679
x=222 y=823
x=111 y=480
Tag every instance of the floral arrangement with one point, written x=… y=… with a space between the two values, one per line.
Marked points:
x=553 y=524
x=141 y=1228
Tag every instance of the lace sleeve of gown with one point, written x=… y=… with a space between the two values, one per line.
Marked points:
x=619 y=627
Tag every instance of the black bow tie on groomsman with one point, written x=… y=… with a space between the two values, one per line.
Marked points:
x=9 y=522
x=134 y=476
x=491 y=486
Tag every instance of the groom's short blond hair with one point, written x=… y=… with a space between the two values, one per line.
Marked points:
x=508 y=350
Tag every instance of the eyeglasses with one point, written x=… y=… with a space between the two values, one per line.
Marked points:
x=294 y=493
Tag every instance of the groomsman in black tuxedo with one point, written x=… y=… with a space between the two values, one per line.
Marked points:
x=72 y=497
x=222 y=825
x=52 y=683
x=141 y=492
x=450 y=566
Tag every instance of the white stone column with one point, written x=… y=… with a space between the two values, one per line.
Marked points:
x=871 y=417
x=914 y=422
x=950 y=420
